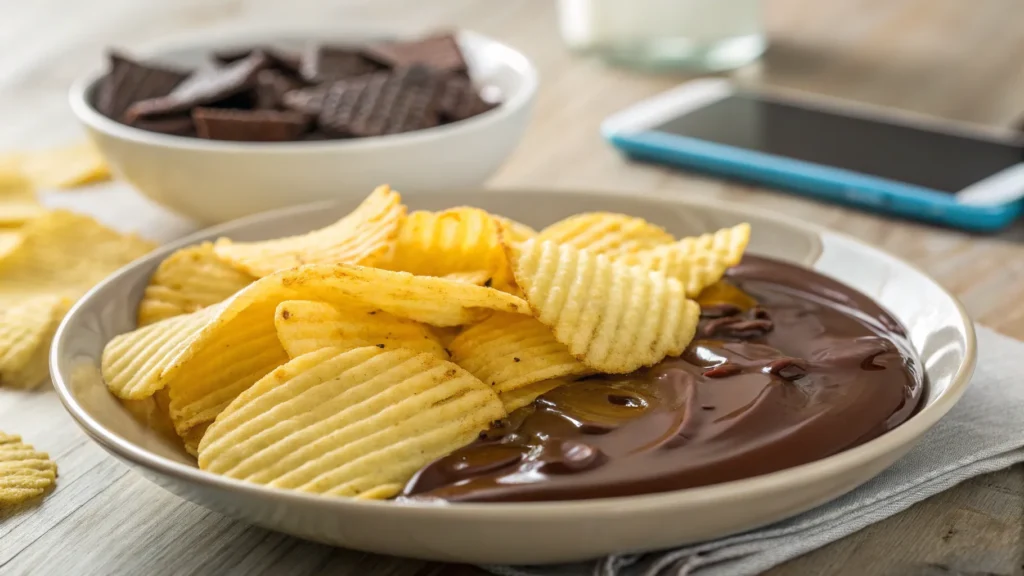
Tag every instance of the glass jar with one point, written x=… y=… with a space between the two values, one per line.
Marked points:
x=700 y=35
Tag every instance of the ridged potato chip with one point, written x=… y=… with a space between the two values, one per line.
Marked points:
x=427 y=299
x=26 y=328
x=61 y=255
x=511 y=351
x=365 y=237
x=18 y=203
x=606 y=233
x=456 y=241
x=64 y=254
x=237 y=347
x=133 y=362
x=357 y=423
x=9 y=240
x=190 y=279
x=65 y=167
x=697 y=262
x=25 y=473
x=514 y=231
x=474 y=277
x=305 y=326
x=613 y=318
x=516 y=399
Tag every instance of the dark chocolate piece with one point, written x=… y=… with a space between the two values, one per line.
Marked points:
x=309 y=101
x=441 y=53
x=460 y=100
x=271 y=86
x=281 y=59
x=130 y=81
x=827 y=378
x=380 y=104
x=331 y=63
x=204 y=89
x=177 y=125
x=249 y=125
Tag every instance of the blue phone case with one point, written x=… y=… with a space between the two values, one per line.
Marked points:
x=826 y=182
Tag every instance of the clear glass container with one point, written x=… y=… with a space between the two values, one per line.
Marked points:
x=700 y=35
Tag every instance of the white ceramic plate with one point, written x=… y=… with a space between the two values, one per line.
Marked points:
x=939 y=330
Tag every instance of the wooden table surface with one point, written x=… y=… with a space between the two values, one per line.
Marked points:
x=953 y=58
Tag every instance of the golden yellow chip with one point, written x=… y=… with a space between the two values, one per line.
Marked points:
x=64 y=254
x=18 y=203
x=349 y=423
x=516 y=399
x=613 y=318
x=305 y=326
x=427 y=299
x=237 y=347
x=132 y=362
x=24 y=472
x=65 y=167
x=606 y=233
x=26 y=328
x=514 y=231
x=697 y=262
x=459 y=240
x=475 y=277
x=9 y=240
x=190 y=279
x=366 y=237
x=511 y=351
x=61 y=255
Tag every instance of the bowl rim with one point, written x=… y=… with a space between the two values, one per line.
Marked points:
x=815 y=471
x=86 y=112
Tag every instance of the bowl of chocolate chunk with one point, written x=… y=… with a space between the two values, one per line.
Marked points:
x=520 y=377
x=221 y=125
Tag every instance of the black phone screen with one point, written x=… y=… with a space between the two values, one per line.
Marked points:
x=936 y=160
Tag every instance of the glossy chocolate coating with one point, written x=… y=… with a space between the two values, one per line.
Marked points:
x=788 y=367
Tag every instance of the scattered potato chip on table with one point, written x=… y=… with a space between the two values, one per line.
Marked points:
x=613 y=318
x=366 y=236
x=64 y=167
x=25 y=473
x=355 y=423
x=18 y=203
x=61 y=255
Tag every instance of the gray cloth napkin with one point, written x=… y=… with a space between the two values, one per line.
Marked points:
x=983 y=433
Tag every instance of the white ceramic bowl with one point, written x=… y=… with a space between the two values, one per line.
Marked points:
x=214 y=181
x=939 y=331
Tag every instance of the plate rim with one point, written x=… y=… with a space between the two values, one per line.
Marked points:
x=836 y=464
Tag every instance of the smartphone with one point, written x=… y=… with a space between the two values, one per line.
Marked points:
x=879 y=160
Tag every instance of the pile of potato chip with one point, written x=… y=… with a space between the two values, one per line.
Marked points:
x=344 y=360
x=48 y=259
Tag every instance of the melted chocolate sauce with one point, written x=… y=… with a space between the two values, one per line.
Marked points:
x=788 y=367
